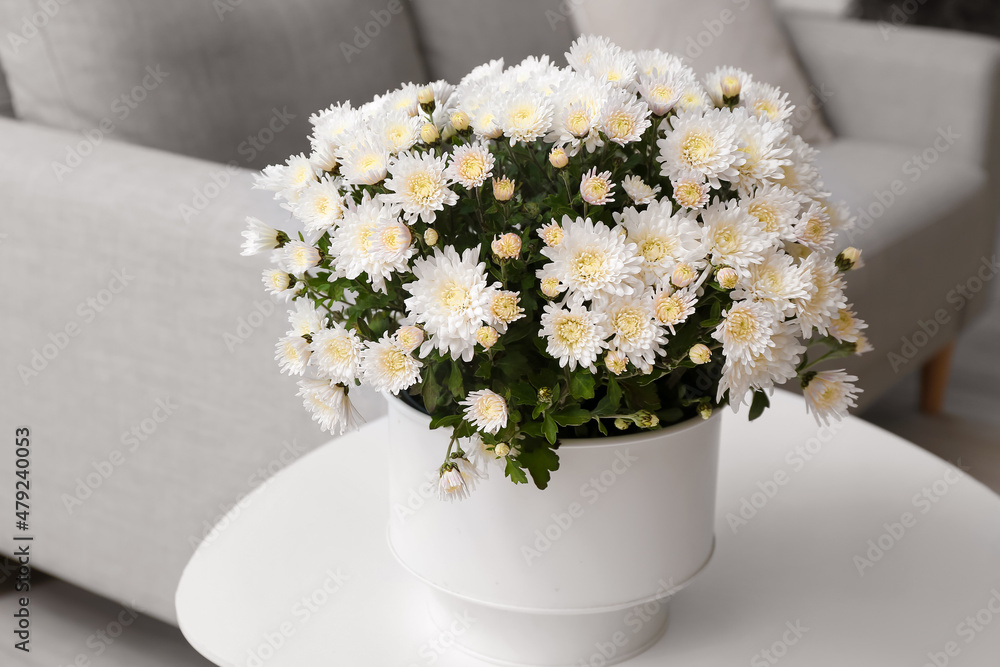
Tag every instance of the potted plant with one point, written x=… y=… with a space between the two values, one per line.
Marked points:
x=562 y=275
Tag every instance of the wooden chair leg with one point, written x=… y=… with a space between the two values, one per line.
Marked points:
x=934 y=380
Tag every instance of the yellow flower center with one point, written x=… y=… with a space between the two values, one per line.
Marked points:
x=455 y=298
x=303 y=174
x=741 y=325
x=629 y=322
x=505 y=307
x=472 y=167
x=339 y=349
x=394 y=361
x=697 y=148
x=422 y=188
x=765 y=214
x=688 y=194
x=661 y=93
x=578 y=123
x=396 y=238
x=655 y=249
x=668 y=309
x=571 y=330
x=595 y=189
x=589 y=265
x=370 y=162
x=620 y=125
x=765 y=108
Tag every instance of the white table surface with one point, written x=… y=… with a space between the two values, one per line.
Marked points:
x=302 y=564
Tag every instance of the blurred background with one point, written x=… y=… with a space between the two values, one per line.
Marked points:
x=138 y=342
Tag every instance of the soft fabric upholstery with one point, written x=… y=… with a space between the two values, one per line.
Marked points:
x=6 y=109
x=230 y=65
x=923 y=233
x=189 y=340
x=457 y=35
x=710 y=33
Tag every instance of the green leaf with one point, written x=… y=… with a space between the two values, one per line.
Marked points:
x=550 y=429
x=446 y=420
x=540 y=462
x=515 y=472
x=581 y=385
x=431 y=391
x=760 y=402
x=614 y=393
x=455 y=383
x=572 y=417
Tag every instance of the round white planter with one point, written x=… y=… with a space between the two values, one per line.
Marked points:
x=580 y=573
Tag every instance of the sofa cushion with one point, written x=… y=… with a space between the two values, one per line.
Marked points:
x=229 y=80
x=6 y=109
x=710 y=33
x=457 y=35
x=925 y=231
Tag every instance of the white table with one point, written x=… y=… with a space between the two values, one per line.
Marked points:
x=299 y=575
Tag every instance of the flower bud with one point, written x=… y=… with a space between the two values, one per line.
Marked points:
x=705 y=410
x=431 y=236
x=545 y=395
x=410 y=337
x=552 y=234
x=683 y=275
x=487 y=336
x=501 y=450
x=849 y=258
x=460 y=121
x=558 y=157
x=727 y=277
x=731 y=89
x=616 y=362
x=622 y=424
x=700 y=354
x=429 y=133
x=507 y=246
x=532 y=209
x=646 y=419
x=425 y=95
x=550 y=287
x=503 y=189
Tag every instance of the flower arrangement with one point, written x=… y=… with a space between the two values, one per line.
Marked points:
x=544 y=252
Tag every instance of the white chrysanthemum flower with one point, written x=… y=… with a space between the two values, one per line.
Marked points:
x=776 y=365
x=672 y=308
x=842 y=219
x=486 y=410
x=746 y=330
x=593 y=259
x=638 y=191
x=525 y=115
x=662 y=91
x=829 y=394
x=551 y=234
x=575 y=335
x=480 y=102
x=292 y=354
x=409 y=337
x=826 y=295
x=726 y=78
x=470 y=165
x=623 y=117
x=386 y=366
x=693 y=99
x=732 y=237
x=578 y=104
x=847 y=326
x=813 y=229
x=801 y=174
x=320 y=206
x=764 y=152
x=336 y=352
x=766 y=102
x=451 y=298
x=271 y=178
x=635 y=332
x=329 y=405
x=483 y=456
x=335 y=121
x=369 y=240
x=297 y=175
x=777 y=281
x=596 y=189
x=281 y=284
x=306 y=318
x=458 y=479
x=690 y=190
x=775 y=207
x=398 y=131
x=505 y=308
x=616 y=361
x=661 y=238
x=258 y=237
x=418 y=185
x=364 y=162
x=297 y=257
x=653 y=62
x=323 y=155
x=585 y=49
x=702 y=144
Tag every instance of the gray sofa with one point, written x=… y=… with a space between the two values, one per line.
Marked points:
x=139 y=342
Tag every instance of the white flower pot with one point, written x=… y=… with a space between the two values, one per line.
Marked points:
x=580 y=573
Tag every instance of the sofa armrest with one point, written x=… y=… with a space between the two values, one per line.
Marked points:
x=905 y=85
x=140 y=345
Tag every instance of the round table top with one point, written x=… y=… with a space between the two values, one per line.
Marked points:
x=835 y=546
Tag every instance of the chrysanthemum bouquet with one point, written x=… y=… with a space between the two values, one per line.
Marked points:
x=544 y=252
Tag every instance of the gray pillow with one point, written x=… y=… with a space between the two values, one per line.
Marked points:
x=225 y=80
